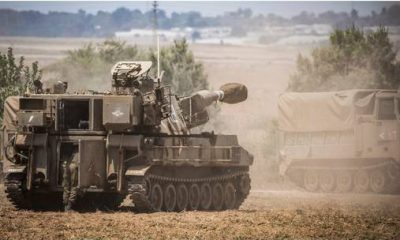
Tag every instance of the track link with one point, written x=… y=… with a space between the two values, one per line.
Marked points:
x=15 y=193
x=379 y=178
x=141 y=197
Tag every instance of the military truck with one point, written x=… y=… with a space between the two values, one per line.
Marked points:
x=341 y=141
x=133 y=141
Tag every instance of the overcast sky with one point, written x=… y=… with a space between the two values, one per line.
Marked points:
x=286 y=9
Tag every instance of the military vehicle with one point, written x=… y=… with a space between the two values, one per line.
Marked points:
x=341 y=141
x=133 y=141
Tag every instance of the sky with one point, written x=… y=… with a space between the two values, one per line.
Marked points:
x=285 y=9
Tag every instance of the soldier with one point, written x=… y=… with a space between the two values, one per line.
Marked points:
x=70 y=179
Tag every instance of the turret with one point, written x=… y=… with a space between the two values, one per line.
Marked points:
x=194 y=107
x=128 y=76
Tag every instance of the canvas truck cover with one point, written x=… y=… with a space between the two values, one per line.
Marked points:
x=11 y=107
x=323 y=111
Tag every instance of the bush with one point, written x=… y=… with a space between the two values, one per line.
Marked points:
x=181 y=71
x=353 y=59
x=90 y=66
x=15 y=77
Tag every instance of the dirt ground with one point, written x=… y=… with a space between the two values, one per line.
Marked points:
x=271 y=211
x=265 y=215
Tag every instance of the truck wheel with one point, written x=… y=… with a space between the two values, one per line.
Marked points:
x=344 y=181
x=379 y=181
x=327 y=181
x=310 y=180
x=156 y=197
x=170 y=198
x=361 y=181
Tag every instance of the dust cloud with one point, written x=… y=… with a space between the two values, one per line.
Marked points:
x=273 y=209
x=265 y=70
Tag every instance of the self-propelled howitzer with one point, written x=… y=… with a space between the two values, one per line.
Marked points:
x=134 y=140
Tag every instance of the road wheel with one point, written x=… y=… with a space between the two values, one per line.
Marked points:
x=361 y=181
x=111 y=201
x=311 y=180
x=182 y=197
x=244 y=185
x=344 y=181
x=205 y=196
x=379 y=181
x=156 y=197
x=229 y=196
x=218 y=196
x=327 y=181
x=147 y=183
x=194 y=196
x=393 y=174
x=170 y=197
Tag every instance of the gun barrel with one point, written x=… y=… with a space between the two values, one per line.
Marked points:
x=229 y=93
x=234 y=93
x=204 y=98
x=194 y=107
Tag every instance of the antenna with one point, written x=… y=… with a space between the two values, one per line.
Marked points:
x=158 y=57
x=156 y=37
x=155 y=22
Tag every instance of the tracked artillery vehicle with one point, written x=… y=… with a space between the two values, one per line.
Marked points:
x=133 y=141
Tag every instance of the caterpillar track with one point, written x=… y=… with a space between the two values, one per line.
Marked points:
x=378 y=178
x=15 y=193
x=20 y=198
x=160 y=193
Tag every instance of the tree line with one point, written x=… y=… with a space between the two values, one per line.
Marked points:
x=105 y=24
x=88 y=68
x=353 y=59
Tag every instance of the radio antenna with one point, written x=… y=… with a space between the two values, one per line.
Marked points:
x=156 y=37
x=158 y=57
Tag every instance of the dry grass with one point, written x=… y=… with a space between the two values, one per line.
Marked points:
x=264 y=215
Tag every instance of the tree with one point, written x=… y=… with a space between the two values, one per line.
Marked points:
x=89 y=67
x=181 y=71
x=239 y=31
x=15 y=77
x=196 y=35
x=354 y=14
x=353 y=59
